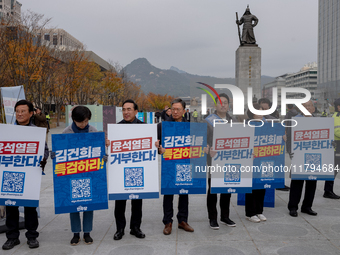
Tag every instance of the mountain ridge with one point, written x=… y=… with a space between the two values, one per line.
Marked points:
x=173 y=81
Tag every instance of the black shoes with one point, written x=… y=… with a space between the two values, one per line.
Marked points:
x=309 y=211
x=293 y=213
x=137 y=232
x=33 y=243
x=214 y=224
x=87 y=238
x=228 y=222
x=10 y=243
x=119 y=234
x=134 y=231
x=76 y=239
x=331 y=195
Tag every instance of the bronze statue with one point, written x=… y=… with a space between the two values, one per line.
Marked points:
x=247 y=19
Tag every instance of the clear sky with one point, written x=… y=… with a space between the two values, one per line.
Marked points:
x=199 y=37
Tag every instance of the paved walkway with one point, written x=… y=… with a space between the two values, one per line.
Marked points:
x=280 y=234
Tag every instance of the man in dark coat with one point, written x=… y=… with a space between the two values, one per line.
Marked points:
x=177 y=108
x=24 y=111
x=130 y=109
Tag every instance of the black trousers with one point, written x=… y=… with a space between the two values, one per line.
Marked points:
x=296 y=191
x=330 y=184
x=212 y=201
x=254 y=202
x=136 y=213
x=12 y=222
x=168 y=210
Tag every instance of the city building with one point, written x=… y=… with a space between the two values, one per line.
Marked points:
x=10 y=7
x=62 y=40
x=104 y=65
x=278 y=83
x=306 y=78
x=58 y=38
x=328 y=52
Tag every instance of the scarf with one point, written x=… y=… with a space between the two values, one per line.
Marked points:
x=78 y=130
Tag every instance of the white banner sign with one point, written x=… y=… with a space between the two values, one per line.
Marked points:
x=312 y=147
x=10 y=96
x=21 y=150
x=133 y=161
x=231 y=170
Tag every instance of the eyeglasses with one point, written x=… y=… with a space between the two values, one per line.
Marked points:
x=176 y=109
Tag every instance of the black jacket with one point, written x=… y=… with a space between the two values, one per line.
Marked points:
x=187 y=116
x=165 y=117
x=135 y=121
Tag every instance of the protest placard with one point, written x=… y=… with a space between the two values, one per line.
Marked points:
x=269 y=156
x=133 y=162
x=79 y=172
x=313 y=157
x=233 y=162
x=184 y=158
x=21 y=150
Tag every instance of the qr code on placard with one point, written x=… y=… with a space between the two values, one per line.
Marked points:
x=134 y=176
x=13 y=182
x=81 y=188
x=267 y=169
x=312 y=161
x=183 y=172
x=232 y=173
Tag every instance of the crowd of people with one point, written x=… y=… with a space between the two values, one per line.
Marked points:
x=27 y=115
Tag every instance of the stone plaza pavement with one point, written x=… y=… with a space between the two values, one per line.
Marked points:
x=280 y=234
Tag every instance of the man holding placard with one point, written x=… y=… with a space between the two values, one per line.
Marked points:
x=220 y=114
x=177 y=109
x=130 y=109
x=24 y=111
x=297 y=184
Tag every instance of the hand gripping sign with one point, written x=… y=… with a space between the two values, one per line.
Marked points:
x=21 y=150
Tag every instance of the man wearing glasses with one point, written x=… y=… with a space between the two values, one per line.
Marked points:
x=24 y=111
x=177 y=109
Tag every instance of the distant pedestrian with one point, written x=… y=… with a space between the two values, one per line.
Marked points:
x=187 y=115
x=48 y=118
x=195 y=115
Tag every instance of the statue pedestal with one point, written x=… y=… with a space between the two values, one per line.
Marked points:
x=248 y=70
